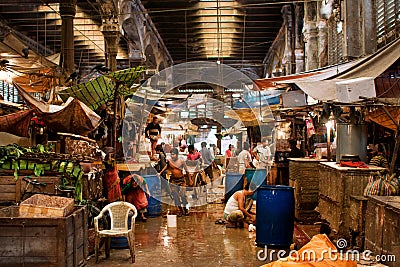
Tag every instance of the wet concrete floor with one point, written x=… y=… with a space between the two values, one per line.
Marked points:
x=196 y=241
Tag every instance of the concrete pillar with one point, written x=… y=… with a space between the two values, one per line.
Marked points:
x=111 y=32
x=289 y=45
x=322 y=43
x=67 y=12
x=111 y=35
x=299 y=44
x=311 y=35
x=369 y=26
x=352 y=15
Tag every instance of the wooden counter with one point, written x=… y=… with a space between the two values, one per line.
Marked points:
x=339 y=190
x=382 y=227
x=134 y=167
x=304 y=177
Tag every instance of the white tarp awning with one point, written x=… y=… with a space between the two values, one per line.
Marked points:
x=366 y=69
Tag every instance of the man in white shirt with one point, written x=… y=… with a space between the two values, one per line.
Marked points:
x=237 y=209
x=264 y=153
x=244 y=158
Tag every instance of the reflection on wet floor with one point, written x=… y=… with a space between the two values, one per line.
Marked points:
x=196 y=241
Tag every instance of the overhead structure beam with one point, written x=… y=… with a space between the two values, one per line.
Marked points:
x=67 y=12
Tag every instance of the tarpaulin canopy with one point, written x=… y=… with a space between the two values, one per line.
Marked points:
x=369 y=67
x=380 y=117
x=32 y=71
x=16 y=123
x=74 y=117
x=256 y=98
x=321 y=84
x=251 y=116
x=38 y=81
x=102 y=89
x=386 y=115
x=314 y=75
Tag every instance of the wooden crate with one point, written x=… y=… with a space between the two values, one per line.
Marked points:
x=305 y=179
x=336 y=185
x=8 y=189
x=46 y=206
x=11 y=189
x=43 y=241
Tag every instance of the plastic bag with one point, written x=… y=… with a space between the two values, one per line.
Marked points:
x=382 y=185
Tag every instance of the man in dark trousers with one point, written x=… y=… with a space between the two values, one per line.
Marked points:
x=207 y=161
x=153 y=132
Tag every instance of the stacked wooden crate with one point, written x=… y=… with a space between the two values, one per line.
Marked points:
x=43 y=241
x=11 y=189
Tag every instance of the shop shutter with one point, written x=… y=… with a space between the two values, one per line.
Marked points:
x=335 y=41
x=388 y=21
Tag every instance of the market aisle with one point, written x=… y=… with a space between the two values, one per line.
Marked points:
x=197 y=241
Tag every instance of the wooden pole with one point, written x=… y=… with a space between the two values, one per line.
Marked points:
x=395 y=150
x=328 y=143
x=115 y=121
x=141 y=120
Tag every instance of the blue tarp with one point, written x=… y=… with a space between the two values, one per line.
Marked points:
x=252 y=99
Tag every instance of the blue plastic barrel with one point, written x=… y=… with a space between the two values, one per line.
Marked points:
x=275 y=215
x=121 y=242
x=256 y=178
x=154 y=183
x=233 y=183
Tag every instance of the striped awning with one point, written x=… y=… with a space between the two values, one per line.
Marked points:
x=100 y=90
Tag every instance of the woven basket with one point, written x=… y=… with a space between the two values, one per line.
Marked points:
x=46 y=206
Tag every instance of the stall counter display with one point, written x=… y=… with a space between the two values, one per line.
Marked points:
x=337 y=186
x=304 y=177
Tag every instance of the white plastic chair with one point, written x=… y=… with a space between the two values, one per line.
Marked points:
x=118 y=212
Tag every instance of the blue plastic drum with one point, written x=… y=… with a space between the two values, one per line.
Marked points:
x=233 y=183
x=154 y=183
x=121 y=242
x=275 y=215
x=256 y=178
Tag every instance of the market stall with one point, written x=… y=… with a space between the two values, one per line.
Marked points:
x=338 y=187
x=304 y=177
x=382 y=226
